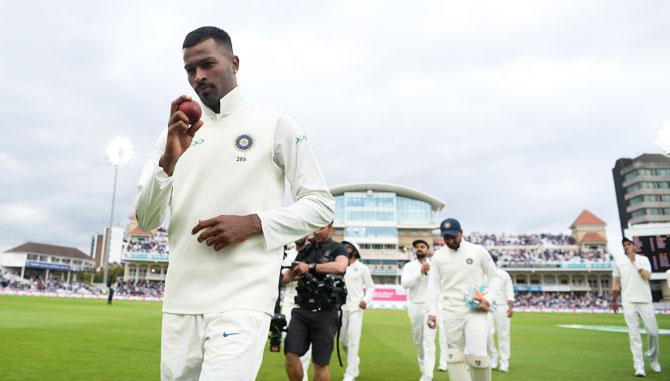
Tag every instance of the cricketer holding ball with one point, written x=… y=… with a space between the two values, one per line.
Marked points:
x=222 y=180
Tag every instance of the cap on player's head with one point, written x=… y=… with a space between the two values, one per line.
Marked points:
x=356 y=252
x=450 y=226
x=418 y=241
x=624 y=240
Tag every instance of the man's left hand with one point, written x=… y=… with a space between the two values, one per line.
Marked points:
x=484 y=305
x=223 y=231
x=362 y=305
x=300 y=268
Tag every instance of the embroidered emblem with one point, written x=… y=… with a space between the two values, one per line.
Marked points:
x=244 y=142
x=469 y=261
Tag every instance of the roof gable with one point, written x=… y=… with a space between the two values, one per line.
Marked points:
x=593 y=238
x=587 y=218
x=47 y=249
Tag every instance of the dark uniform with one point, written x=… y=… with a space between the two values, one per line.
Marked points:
x=315 y=321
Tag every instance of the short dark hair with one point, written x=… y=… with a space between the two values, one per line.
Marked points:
x=627 y=240
x=206 y=32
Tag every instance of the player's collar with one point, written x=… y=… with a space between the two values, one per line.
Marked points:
x=227 y=104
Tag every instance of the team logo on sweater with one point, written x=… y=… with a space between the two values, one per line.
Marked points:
x=469 y=261
x=244 y=142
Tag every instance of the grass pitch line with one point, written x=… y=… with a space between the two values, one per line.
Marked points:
x=609 y=328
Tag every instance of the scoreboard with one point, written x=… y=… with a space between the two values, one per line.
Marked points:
x=657 y=249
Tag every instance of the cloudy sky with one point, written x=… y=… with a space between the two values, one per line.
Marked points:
x=512 y=112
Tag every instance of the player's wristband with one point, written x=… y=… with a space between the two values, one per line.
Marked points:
x=312 y=268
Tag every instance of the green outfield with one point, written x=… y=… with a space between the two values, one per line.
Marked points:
x=71 y=339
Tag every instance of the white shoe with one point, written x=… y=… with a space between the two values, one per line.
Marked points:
x=442 y=368
x=655 y=366
x=348 y=378
x=640 y=373
x=494 y=362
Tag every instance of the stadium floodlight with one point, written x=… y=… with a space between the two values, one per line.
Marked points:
x=663 y=138
x=119 y=153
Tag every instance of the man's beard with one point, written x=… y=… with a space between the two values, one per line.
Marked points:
x=421 y=256
x=455 y=246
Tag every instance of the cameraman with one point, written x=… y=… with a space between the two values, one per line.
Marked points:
x=290 y=292
x=315 y=321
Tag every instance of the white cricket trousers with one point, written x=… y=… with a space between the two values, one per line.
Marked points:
x=350 y=337
x=645 y=311
x=226 y=346
x=467 y=332
x=424 y=339
x=502 y=328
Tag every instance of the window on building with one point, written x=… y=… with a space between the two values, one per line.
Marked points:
x=630 y=176
x=638 y=213
x=412 y=210
x=33 y=257
x=370 y=232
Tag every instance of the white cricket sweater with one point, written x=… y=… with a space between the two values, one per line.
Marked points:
x=359 y=286
x=415 y=282
x=634 y=288
x=453 y=273
x=506 y=292
x=236 y=165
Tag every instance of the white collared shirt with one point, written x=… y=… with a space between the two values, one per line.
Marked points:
x=237 y=165
x=506 y=292
x=359 y=285
x=414 y=281
x=634 y=288
x=454 y=272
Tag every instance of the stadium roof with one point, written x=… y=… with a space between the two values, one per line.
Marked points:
x=593 y=238
x=587 y=218
x=435 y=203
x=46 y=249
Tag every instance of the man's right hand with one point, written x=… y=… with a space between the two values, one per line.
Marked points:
x=179 y=136
x=432 y=321
x=425 y=267
x=614 y=305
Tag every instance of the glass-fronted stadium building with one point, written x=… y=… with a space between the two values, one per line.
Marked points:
x=384 y=219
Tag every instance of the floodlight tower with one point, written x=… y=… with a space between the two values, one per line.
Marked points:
x=119 y=152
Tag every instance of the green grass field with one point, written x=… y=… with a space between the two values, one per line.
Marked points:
x=71 y=339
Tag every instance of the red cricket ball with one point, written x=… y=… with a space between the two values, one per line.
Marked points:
x=192 y=110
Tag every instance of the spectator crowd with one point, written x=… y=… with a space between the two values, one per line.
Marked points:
x=562 y=300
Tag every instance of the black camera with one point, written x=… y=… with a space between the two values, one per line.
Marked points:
x=277 y=327
x=325 y=293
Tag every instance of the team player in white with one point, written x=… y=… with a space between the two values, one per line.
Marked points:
x=456 y=268
x=414 y=279
x=630 y=279
x=223 y=179
x=360 y=290
x=500 y=320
